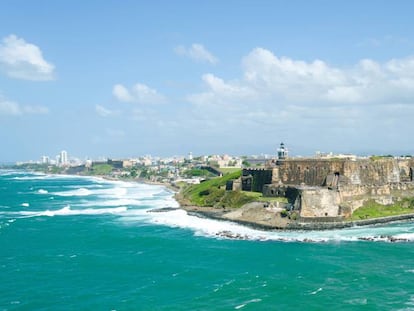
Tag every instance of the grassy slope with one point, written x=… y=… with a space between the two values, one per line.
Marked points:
x=374 y=210
x=205 y=192
x=212 y=193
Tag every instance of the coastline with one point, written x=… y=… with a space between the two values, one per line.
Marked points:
x=256 y=216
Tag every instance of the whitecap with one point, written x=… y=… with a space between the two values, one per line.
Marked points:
x=77 y=192
x=230 y=230
x=25 y=204
x=67 y=211
x=115 y=202
x=316 y=291
x=247 y=302
x=357 y=301
x=42 y=191
x=31 y=177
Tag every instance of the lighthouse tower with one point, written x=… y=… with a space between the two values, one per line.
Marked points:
x=282 y=152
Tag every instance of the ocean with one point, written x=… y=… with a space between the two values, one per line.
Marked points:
x=84 y=243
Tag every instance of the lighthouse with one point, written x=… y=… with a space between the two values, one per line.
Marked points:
x=282 y=152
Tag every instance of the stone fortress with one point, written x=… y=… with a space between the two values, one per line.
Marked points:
x=331 y=188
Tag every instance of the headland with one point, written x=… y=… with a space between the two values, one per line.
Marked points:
x=309 y=194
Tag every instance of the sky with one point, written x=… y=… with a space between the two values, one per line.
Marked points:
x=131 y=78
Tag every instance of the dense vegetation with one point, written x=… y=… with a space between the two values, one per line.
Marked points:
x=372 y=209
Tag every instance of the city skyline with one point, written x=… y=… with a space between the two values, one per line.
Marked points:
x=236 y=77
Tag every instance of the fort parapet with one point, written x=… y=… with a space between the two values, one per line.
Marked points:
x=314 y=172
x=333 y=187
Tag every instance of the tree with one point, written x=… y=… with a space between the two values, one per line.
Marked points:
x=246 y=163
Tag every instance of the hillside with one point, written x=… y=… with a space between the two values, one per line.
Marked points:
x=212 y=193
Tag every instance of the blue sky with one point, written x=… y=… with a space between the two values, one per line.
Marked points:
x=129 y=78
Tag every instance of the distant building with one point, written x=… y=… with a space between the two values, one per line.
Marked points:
x=63 y=157
x=88 y=163
x=45 y=160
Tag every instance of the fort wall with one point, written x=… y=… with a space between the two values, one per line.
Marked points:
x=315 y=172
x=334 y=188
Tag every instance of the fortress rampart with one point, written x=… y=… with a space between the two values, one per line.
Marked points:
x=333 y=187
x=315 y=172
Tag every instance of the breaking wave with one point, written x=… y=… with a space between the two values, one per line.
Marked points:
x=73 y=193
x=67 y=211
x=403 y=232
x=132 y=203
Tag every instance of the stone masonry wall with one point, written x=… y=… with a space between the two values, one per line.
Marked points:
x=319 y=202
x=314 y=172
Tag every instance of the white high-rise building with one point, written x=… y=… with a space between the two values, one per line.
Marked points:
x=63 y=157
x=45 y=160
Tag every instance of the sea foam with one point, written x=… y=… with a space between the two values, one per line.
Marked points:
x=67 y=211
x=230 y=230
x=131 y=202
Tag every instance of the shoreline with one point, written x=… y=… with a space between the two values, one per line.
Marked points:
x=262 y=219
x=255 y=216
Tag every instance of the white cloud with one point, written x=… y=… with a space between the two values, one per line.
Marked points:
x=121 y=93
x=288 y=97
x=283 y=80
x=294 y=80
x=104 y=112
x=22 y=60
x=196 y=52
x=10 y=108
x=139 y=93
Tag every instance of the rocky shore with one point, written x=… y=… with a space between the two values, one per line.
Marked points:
x=257 y=216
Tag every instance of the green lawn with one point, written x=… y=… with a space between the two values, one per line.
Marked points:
x=202 y=193
x=258 y=196
x=228 y=170
x=212 y=193
x=371 y=209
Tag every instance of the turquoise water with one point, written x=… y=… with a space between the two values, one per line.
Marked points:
x=71 y=243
